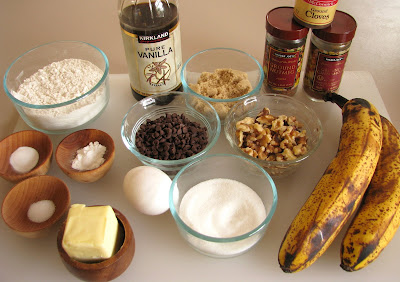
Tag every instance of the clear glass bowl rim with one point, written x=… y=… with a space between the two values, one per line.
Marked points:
x=255 y=90
x=24 y=104
x=171 y=162
x=249 y=234
x=277 y=163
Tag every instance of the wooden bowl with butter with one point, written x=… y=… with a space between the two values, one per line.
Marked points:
x=107 y=269
x=86 y=143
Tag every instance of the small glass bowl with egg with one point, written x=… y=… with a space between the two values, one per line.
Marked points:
x=171 y=146
x=289 y=123
x=54 y=96
x=222 y=204
x=222 y=76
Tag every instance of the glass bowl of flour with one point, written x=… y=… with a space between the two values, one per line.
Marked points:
x=222 y=204
x=60 y=86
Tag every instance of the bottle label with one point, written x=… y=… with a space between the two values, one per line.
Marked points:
x=282 y=66
x=154 y=61
x=328 y=72
x=315 y=12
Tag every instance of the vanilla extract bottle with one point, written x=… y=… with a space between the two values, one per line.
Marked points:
x=152 y=43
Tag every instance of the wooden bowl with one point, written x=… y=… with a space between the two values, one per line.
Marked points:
x=68 y=147
x=16 y=204
x=108 y=269
x=30 y=138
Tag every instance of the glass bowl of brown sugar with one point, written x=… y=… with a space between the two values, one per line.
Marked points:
x=167 y=131
x=222 y=76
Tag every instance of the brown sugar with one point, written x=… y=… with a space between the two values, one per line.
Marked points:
x=222 y=84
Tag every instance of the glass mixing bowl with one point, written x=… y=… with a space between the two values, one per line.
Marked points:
x=278 y=105
x=158 y=105
x=219 y=58
x=225 y=166
x=69 y=115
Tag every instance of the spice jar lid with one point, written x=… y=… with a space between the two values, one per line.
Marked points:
x=281 y=24
x=342 y=29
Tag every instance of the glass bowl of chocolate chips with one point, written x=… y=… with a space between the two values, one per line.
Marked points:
x=170 y=130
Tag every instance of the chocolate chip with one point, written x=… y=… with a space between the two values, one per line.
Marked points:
x=171 y=137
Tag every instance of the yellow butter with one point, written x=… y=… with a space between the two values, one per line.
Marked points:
x=90 y=232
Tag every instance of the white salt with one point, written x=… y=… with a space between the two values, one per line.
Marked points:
x=24 y=159
x=41 y=211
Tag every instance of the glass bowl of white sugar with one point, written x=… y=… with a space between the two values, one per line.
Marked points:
x=60 y=86
x=222 y=204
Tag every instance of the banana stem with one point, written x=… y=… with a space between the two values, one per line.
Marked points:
x=335 y=98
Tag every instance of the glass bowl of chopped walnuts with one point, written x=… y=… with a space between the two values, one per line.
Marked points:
x=167 y=131
x=222 y=76
x=277 y=132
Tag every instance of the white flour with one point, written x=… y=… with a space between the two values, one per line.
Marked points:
x=60 y=82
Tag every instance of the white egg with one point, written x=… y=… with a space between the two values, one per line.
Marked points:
x=147 y=189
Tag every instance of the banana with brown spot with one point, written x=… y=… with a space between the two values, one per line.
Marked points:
x=338 y=192
x=378 y=217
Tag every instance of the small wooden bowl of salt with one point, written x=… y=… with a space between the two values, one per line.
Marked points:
x=33 y=206
x=86 y=155
x=25 y=154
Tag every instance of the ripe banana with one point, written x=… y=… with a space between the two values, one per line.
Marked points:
x=339 y=191
x=378 y=217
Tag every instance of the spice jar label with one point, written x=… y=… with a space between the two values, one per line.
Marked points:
x=328 y=72
x=318 y=13
x=282 y=67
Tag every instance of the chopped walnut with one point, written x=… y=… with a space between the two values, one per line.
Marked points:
x=288 y=154
x=271 y=138
x=250 y=152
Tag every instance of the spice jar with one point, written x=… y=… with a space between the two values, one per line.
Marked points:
x=327 y=56
x=315 y=14
x=284 y=50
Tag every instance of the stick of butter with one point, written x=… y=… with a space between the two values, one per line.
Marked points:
x=90 y=233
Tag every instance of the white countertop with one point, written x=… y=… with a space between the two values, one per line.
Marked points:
x=161 y=254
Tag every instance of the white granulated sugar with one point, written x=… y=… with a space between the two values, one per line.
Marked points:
x=222 y=208
x=60 y=82
x=89 y=157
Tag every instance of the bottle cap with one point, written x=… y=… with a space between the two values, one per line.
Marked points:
x=342 y=29
x=281 y=24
